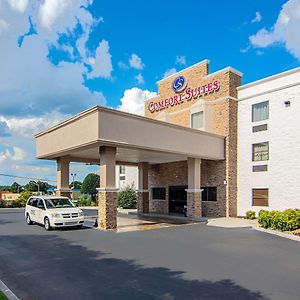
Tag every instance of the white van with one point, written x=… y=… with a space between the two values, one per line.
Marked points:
x=53 y=212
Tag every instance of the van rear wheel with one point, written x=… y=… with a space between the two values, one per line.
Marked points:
x=47 y=224
x=28 y=220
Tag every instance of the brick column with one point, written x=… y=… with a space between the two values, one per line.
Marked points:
x=143 y=191
x=194 y=204
x=107 y=210
x=62 y=177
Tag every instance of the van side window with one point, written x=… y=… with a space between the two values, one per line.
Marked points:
x=30 y=202
x=41 y=204
x=34 y=202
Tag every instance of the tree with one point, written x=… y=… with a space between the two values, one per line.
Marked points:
x=89 y=184
x=76 y=184
x=31 y=186
x=24 y=197
x=16 y=188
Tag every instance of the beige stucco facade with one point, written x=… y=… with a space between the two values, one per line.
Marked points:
x=162 y=144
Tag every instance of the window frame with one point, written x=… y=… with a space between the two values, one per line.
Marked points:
x=195 y=113
x=161 y=197
x=252 y=111
x=253 y=153
x=254 y=199
x=206 y=190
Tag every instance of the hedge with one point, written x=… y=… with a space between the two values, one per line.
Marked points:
x=287 y=220
x=250 y=215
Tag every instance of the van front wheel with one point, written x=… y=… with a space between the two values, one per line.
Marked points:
x=47 y=224
x=28 y=220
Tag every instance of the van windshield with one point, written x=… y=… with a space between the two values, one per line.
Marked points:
x=58 y=203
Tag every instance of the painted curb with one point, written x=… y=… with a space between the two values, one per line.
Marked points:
x=7 y=292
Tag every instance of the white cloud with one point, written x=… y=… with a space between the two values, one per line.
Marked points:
x=15 y=154
x=3 y=26
x=133 y=100
x=284 y=31
x=32 y=85
x=35 y=169
x=101 y=64
x=136 y=62
x=122 y=65
x=139 y=78
x=28 y=126
x=257 y=18
x=18 y=5
x=181 y=60
x=169 y=72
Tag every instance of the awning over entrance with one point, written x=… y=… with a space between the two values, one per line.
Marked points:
x=136 y=138
x=109 y=137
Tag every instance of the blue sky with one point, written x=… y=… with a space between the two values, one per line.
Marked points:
x=59 y=57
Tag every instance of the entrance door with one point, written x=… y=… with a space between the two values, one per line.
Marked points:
x=177 y=198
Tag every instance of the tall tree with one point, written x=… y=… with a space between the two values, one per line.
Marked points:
x=16 y=188
x=89 y=184
x=76 y=184
x=31 y=186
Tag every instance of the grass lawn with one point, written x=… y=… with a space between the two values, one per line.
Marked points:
x=2 y=296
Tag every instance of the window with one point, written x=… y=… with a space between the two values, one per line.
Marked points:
x=209 y=194
x=197 y=120
x=159 y=193
x=34 y=202
x=260 y=151
x=122 y=170
x=260 y=111
x=260 y=197
x=41 y=204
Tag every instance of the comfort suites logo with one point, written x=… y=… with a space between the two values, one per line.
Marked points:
x=183 y=94
x=179 y=84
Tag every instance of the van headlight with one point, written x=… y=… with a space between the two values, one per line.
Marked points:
x=80 y=214
x=55 y=215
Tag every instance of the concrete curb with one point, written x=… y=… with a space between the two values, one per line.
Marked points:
x=278 y=233
x=7 y=292
x=168 y=217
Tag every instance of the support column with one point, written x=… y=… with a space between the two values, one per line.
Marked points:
x=107 y=210
x=62 y=177
x=194 y=203
x=143 y=191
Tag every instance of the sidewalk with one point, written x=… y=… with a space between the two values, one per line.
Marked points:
x=240 y=223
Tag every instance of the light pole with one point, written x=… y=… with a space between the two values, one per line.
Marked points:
x=73 y=177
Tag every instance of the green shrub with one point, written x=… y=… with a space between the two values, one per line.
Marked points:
x=250 y=215
x=85 y=200
x=284 y=221
x=2 y=204
x=127 y=198
x=24 y=197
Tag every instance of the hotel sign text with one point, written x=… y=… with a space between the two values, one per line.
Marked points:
x=187 y=95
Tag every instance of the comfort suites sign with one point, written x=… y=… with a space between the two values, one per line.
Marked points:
x=183 y=94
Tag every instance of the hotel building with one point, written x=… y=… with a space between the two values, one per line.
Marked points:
x=196 y=149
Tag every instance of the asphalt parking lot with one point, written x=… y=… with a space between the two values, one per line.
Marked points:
x=191 y=261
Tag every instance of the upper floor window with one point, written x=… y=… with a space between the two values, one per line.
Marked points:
x=122 y=170
x=260 y=151
x=197 y=120
x=260 y=111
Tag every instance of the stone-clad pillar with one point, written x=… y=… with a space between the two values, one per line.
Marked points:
x=107 y=211
x=62 y=177
x=194 y=204
x=143 y=191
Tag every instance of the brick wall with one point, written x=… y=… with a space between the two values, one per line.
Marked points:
x=224 y=122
